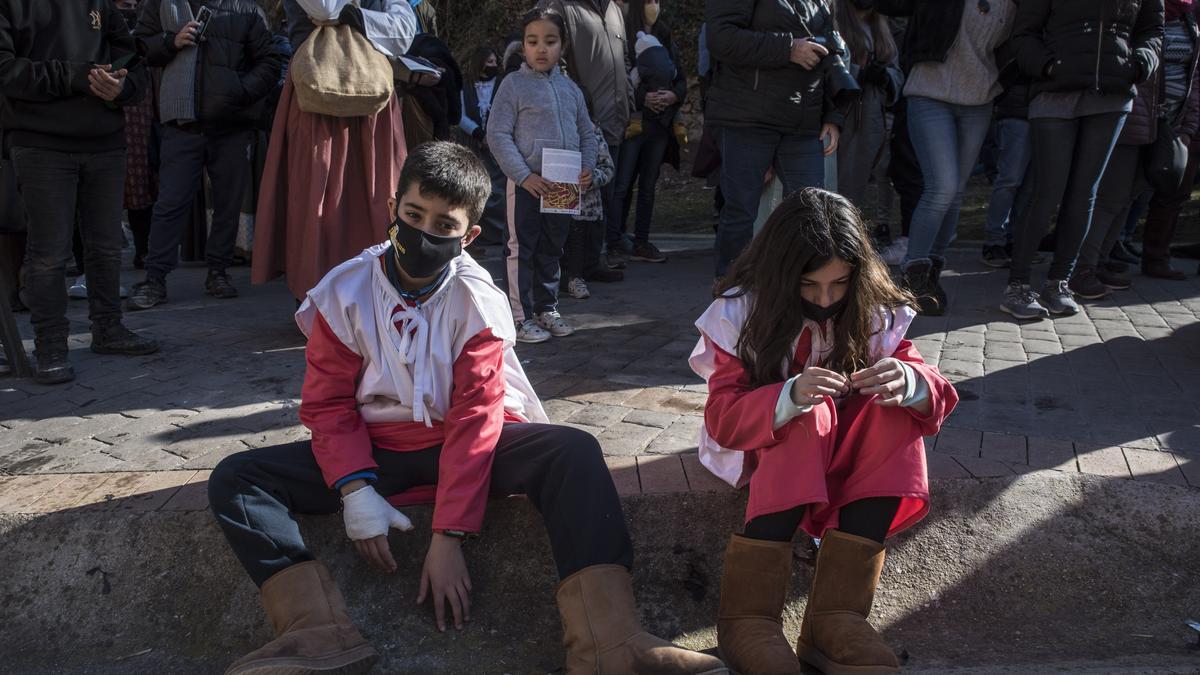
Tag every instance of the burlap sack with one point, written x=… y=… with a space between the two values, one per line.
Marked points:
x=337 y=72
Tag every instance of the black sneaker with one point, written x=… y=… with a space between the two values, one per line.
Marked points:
x=1085 y=284
x=50 y=361
x=115 y=338
x=1114 y=280
x=918 y=279
x=217 y=285
x=995 y=256
x=147 y=294
x=647 y=252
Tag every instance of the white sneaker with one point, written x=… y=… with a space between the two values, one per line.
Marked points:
x=530 y=333
x=553 y=322
x=894 y=254
x=78 y=290
x=577 y=288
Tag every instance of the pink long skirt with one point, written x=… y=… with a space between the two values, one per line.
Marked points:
x=324 y=190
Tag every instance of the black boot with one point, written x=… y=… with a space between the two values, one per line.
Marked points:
x=219 y=285
x=113 y=337
x=918 y=280
x=939 y=264
x=50 y=360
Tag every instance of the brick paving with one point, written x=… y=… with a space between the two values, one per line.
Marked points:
x=1113 y=391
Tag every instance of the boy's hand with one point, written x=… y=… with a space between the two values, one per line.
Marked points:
x=585 y=179
x=105 y=84
x=368 y=518
x=816 y=383
x=186 y=37
x=885 y=379
x=445 y=574
x=536 y=185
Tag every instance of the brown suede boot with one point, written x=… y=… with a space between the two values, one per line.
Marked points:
x=313 y=633
x=754 y=587
x=603 y=635
x=835 y=636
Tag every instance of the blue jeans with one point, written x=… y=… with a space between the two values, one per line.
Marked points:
x=947 y=139
x=641 y=158
x=746 y=154
x=1011 y=190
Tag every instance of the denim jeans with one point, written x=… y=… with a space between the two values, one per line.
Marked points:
x=1010 y=191
x=746 y=155
x=947 y=139
x=185 y=157
x=641 y=157
x=1069 y=156
x=1123 y=179
x=58 y=188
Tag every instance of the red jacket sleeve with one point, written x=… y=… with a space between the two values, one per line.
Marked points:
x=473 y=424
x=737 y=415
x=340 y=442
x=942 y=395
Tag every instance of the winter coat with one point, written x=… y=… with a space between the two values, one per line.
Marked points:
x=237 y=68
x=755 y=83
x=932 y=28
x=1141 y=125
x=1106 y=46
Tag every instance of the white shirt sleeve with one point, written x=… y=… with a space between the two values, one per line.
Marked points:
x=916 y=390
x=785 y=409
x=465 y=123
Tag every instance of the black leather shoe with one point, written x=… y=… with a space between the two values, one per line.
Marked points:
x=50 y=362
x=115 y=338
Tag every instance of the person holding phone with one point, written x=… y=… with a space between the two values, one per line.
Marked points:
x=66 y=72
x=219 y=66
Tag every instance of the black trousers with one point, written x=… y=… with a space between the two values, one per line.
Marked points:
x=560 y=469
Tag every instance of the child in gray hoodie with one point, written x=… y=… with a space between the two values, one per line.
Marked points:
x=536 y=108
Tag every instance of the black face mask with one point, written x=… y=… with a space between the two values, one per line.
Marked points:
x=419 y=253
x=815 y=312
x=131 y=18
x=489 y=72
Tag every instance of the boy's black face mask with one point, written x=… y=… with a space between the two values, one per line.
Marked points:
x=419 y=253
x=815 y=312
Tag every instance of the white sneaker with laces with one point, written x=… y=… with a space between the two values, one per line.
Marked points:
x=553 y=322
x=577 y=288
x=78 y=290
x=530 y=333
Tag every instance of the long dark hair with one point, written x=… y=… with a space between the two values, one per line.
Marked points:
x=476 y=61
x=848 y=26
x=808 y=229
x=635 y=22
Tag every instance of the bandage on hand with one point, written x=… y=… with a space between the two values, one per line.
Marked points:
x=368 y=515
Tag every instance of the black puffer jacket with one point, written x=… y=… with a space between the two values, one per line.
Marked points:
x=932 y=27
x=755 y=84
x=238 y=66
x=1107 y=46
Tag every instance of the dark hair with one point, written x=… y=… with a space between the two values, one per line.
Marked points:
x=475 y=63
x=808 y=229
x=450 y=171
x=848 y=27
x=545 y=14
x=635 y=22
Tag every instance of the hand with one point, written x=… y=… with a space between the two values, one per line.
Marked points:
x=368 y=517
x=105 y=84
x=186 y=37
x=445 y=574
x=806 y=53
x=814 y=384
x=653 y=102
x=329 y=23
x=830 y=134
x=885 y=379
x=536 y=185
x=585 y=179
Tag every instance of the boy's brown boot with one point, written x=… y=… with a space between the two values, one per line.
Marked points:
x=835 y=636
x=754 y=587
x=603 y=635
x=313 y=633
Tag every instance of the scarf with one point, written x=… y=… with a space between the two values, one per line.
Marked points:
x=177 y=97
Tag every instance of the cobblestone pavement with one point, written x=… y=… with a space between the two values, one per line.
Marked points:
x=1114 y=391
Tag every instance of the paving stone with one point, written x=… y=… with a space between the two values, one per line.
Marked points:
x=1051 y=453
x=1103 y=461
x=22 y=491
x=117 y=487
x=601 y=391
x=699 y=478
x=623 y=438
x=560 y=409
x=1007 y=448
x=155 y=491
x=984 y=468
x=1190 y=468
x=662 y=474
x=68 y=493
x=659 y=399
x=650 y=418
x=624 y=472
x=959 y=442
x=193 y=496
x=599 y=415
x=1154 y=465
x=944 y=466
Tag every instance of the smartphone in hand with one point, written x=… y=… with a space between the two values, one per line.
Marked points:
x=202 y=17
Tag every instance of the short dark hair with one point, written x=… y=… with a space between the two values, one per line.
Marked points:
x=450 y=171
x=545 y=14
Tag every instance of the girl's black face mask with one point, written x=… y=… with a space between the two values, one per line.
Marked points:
x=419 y=253
x=490 y=72
x=815 y=312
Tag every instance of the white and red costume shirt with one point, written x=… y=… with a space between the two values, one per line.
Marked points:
x=752 y=417
x=388 y=373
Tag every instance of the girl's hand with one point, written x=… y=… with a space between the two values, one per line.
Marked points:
x=814 y=384
x=445 y=573
x=585 y=179
x=536 y=185
x=885 y=379
x=830 y=133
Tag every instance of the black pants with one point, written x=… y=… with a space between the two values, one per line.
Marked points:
x=595 y=235
x=904 y=169
x=1122 y=182
x=575 y=250
x=560 y=469
x=535 y=249
x=1069 y=156
x=870 y=518
x=641 y=160
x=139 y=225
x=185 y=157
x=58 y=188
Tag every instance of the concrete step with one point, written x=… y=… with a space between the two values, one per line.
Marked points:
x=1034 y=573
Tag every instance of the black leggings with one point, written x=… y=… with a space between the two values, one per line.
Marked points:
x=870 y=518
